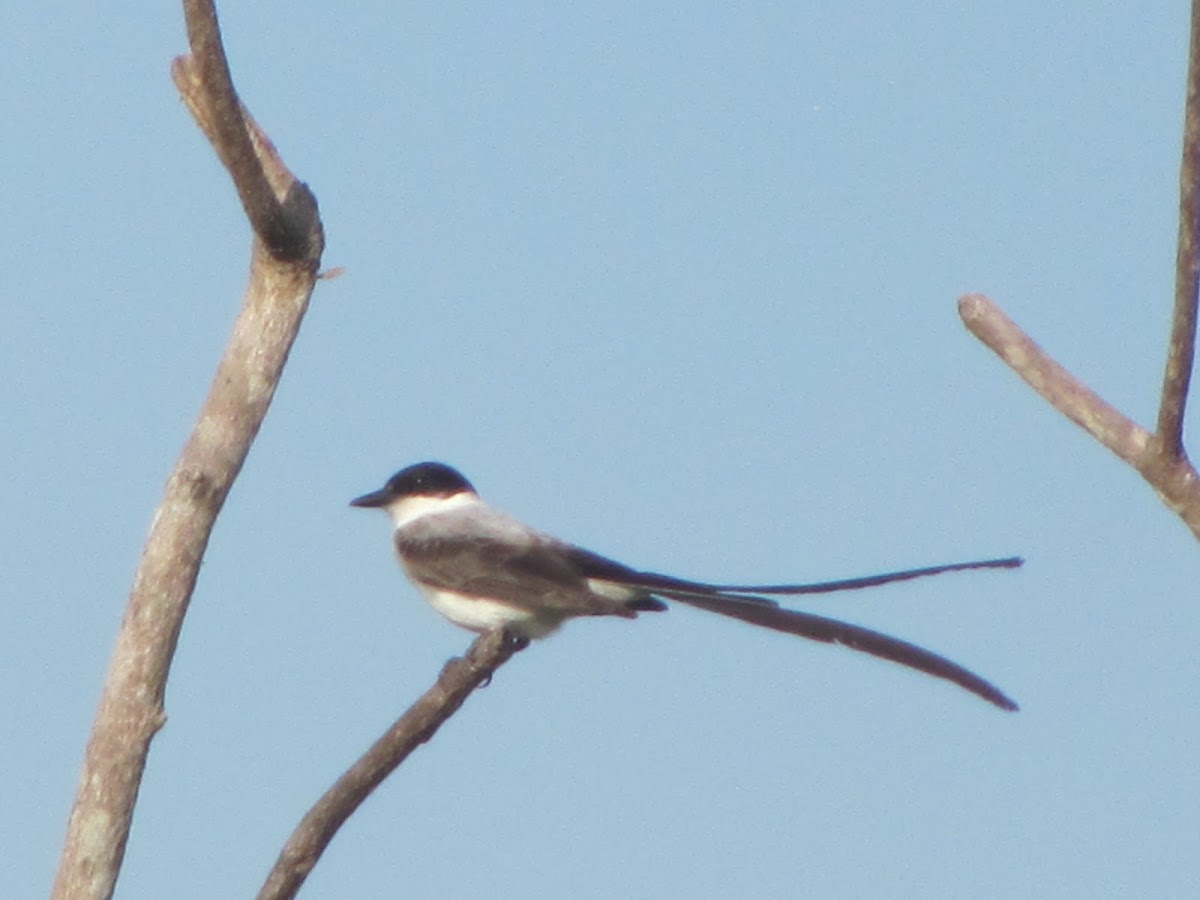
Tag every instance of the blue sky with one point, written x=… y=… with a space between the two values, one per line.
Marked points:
x=676 y=283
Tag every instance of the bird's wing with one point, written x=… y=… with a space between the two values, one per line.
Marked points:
x=532 y=574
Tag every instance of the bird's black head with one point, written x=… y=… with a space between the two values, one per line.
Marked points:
x=427 y=479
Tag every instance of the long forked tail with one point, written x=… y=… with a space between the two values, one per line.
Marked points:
x=746 y=602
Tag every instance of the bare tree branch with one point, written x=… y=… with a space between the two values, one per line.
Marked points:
x=1059 y=387
x=419 y=723
x=1159 y=457
x=1181 y=347
x=1171 y=476
x=284 y=264
x=280 y=209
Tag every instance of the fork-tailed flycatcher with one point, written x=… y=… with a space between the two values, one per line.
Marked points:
x=482 y=569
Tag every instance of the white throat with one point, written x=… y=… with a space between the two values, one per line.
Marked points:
x=408 y=509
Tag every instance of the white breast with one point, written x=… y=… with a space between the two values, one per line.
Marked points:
x=480 y=614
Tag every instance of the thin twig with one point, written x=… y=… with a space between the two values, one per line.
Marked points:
x=131 y=705
x=419 y=723
x=1181 y=346
x=1172 y=477
x=1060 y=388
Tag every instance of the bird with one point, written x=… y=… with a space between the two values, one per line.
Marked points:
x=483 y=570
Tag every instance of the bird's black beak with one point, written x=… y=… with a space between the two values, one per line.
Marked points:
x=372 y=500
